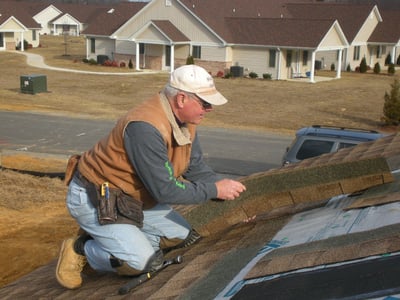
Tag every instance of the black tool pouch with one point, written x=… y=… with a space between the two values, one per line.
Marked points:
x=117 y=208
x=129 y=210
x=107 y=209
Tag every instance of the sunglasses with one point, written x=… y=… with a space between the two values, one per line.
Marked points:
x=205 y=105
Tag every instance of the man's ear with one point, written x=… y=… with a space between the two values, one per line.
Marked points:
x=180 y=99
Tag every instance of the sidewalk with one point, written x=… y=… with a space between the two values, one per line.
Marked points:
x=37 y=61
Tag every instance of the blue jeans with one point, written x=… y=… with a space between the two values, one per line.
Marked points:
x=124 y=241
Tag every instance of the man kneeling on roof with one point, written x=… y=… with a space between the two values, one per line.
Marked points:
x=120 y=191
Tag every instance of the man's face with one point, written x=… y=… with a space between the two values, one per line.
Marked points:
x=193 y=108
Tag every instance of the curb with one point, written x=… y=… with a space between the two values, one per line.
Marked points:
x=43 y=164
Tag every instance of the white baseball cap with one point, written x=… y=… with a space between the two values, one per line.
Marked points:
x=196 y=80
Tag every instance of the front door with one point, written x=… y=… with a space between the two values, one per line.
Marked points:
x=168 y=56
x=1 y=40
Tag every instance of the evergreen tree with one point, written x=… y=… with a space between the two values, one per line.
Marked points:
x=363 y=66
x=391 y=107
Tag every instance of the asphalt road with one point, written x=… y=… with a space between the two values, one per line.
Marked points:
x=230 y=152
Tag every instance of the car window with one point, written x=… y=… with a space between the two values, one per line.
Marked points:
x=311 y=148
x=345 y=145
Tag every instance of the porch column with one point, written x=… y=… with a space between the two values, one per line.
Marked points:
x=22 y=42
x=137 y=57
x=393 y=55
x=312 y=67
x=339 y=67
x=278 y=71
x=172 y=58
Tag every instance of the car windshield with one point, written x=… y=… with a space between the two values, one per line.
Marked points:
x=311 y=148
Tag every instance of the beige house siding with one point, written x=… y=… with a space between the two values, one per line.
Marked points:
x=9 y=41
x=252 y=59
x=44 y=16
x=157 y=10
x=59 y=25
x=327 y=54
x=213 y=53
x=14 y=32
x=104 y=46
x=361 y=40
x=125 y=47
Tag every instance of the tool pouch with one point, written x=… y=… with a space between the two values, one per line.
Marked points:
x=117 y=208
x=129 y=210
x=107 y=209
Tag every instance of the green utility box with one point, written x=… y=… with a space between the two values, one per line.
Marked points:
x=32 y=84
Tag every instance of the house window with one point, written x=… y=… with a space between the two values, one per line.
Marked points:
x=378 y=52
x=288 y=58
x=196 y=51
x=356 y=55
x=272 y=58
x=92 y=45
x=305 y=58
x=33 y=35
x=141 y=48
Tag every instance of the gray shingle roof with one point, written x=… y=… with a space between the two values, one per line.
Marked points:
x=388 y=31
x=228 y=244
x=276 y=32
x=18 y=11
x=350 y=17
x=108 y=21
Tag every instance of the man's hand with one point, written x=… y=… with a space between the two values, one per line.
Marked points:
x=228 y=189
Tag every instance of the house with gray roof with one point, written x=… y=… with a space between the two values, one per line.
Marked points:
x=163 y=34
x=384 y=42
x=370 y=35
x=16 y=26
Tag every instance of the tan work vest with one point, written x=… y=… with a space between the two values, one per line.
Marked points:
x=108 y=162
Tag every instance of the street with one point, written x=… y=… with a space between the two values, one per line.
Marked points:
x=227 y=151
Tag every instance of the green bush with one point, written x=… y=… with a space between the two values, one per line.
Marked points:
x=332 y=67
x=190 y=60
x=85 y=60
x=253 y=75
x=228 y=75
x=377 y=68
x=391 y=69
x=391 y=107
x=92 y=61
x=398 y=60
x=130 y=64
x=26 y=45
x=363 y=66
x=267 y=76
x=348 y=69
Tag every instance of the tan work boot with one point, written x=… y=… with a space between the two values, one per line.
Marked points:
x=70 y=265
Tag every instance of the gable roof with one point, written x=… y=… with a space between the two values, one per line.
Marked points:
x=387 y=31
x=82 y=12
x=277 y=32
x=108 y=21
x=350 y=17
x=10 y=9
x=164 y=27
x=230 y=246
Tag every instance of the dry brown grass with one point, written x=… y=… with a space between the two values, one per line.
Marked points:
x=356 y=100
x=34 y=218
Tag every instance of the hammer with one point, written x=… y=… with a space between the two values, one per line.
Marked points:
x=138 y=280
